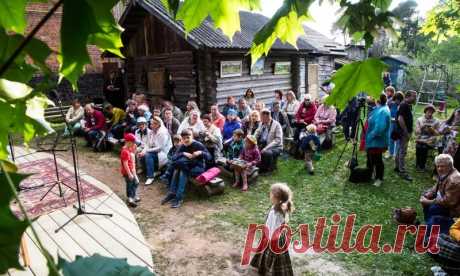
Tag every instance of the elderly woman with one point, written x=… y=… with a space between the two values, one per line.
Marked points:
x=269 y=137
x=252 y=123
x=325 y=116
x=243 y=109
x=442 y=202
x=211 y=137
x=426 y=132
x=216 y=117
x=192 y=122
x=188 y=161
x=191 y=106
x=250 y=98
x=231 y=124
x=305 y=115
x=450 y=130
x=378 y=127
x=155 y=152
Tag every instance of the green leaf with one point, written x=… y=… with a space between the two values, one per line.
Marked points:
x=286 y=24
x=11 y=228
x=382 y=4
x=12 y=15
x=225 y=14
x=100 y=265
x=96 y=25
x=171 y=5
x=354 y=78
x=21 y=70
x=11 y=90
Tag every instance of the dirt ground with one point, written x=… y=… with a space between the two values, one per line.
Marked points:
x=185 y=241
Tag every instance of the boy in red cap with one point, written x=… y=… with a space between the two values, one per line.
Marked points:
x=128 y=169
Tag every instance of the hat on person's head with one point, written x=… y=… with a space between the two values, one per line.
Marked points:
x=232 y=112
x=252 y=139
x=141 y=120
x=307 y=97
x=129 y=137
x=430 y=106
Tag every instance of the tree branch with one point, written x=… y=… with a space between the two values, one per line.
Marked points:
x=29 y=37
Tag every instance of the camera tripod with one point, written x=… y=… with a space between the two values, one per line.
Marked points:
x=357 y=125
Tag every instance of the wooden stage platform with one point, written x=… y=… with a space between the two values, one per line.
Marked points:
x=117 y=236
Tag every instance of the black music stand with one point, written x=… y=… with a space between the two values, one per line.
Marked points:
x=73 y=144
x=13 y=158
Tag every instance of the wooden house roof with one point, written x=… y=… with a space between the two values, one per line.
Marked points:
x=206 y=35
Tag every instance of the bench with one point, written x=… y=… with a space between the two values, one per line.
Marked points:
x=53 y=114
x=214 y=187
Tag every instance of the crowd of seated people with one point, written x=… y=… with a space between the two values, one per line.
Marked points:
x=223 y=131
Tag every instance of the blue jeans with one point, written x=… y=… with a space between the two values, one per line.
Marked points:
x=436 y=214
x=131 y=187
x=92 y=136
x=177 y=184
x=392 y=148
x=151 y=158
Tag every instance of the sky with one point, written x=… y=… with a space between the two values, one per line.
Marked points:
x=324 y=16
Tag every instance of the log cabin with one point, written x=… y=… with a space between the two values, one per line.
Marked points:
x=164 y=62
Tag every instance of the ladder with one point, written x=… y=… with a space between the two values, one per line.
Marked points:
x=433 y=87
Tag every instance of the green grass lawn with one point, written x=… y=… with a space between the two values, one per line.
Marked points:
x=328 y=192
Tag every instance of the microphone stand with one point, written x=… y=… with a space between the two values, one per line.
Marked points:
x=13 y=158
x=80 y=208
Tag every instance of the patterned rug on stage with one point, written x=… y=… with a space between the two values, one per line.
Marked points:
x=43 y=173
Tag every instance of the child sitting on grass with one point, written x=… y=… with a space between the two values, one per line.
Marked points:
x=250 y=155
x=128 y=169
x=309 y=143
x=268 y=262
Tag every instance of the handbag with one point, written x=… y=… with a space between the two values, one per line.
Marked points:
x=405 y=216
x=360 y=175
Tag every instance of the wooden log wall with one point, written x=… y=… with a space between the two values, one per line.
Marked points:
x=179 y=64
x=262 y=85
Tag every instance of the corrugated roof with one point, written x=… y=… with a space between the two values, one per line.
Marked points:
x=208 y=36
x=401 y=58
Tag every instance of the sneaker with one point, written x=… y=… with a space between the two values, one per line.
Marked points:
x=168 y=198
x=311 y=172
x=396 y=170
x=137 y=199
x=131 y=202
x=176 y=204
x=405 y=176
x=149 y=181
x=378 y=183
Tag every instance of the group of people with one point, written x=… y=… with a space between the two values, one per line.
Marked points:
x=244 y=134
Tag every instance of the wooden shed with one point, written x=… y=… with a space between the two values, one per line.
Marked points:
x=205 y=65
x=397 y=68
